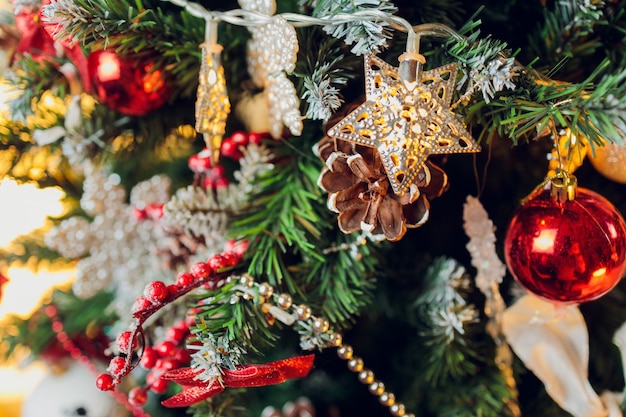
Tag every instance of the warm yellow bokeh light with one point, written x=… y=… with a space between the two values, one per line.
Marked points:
x=24 y=208
x=22 y=294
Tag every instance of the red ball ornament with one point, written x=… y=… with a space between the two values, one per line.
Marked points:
x=567 y=251
x=129 y=86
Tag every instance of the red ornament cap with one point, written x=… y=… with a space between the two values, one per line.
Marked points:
x=567 y=251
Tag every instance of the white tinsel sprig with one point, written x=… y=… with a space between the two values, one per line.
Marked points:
x=321 y=93
x=214 y=355
x=442 y=304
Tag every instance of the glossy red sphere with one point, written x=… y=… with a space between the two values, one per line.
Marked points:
x=568 y=252
x=126 y=85
x=105 y=382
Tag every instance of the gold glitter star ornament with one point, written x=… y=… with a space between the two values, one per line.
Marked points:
x=406 y=117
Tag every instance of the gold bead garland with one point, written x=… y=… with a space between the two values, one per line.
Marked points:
x=286 y=312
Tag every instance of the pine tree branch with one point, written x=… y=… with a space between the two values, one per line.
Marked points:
x=282 y=219
x=368 y=36
x=593 y=111
x=169 y=37
x=36 y=332
x=286 y=226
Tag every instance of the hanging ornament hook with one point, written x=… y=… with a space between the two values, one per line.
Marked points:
x=411 y=62
x=563 y=186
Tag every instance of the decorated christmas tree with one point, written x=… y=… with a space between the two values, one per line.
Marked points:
x=324 y=207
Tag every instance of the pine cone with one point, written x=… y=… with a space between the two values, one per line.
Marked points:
x=176 y=248
x=362 y=195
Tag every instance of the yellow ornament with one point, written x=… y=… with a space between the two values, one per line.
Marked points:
x=568 y=153
x=610 y=161
x=212 y=104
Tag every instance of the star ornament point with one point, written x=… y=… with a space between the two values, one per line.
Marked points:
x=406 y=123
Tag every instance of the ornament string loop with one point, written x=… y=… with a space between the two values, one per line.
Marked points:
x=562 y=187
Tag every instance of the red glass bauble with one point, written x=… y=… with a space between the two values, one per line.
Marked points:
x=129 y=86
x=568 y=252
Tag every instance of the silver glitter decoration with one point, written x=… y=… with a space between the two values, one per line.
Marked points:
x=116 y=249
x=272 y=52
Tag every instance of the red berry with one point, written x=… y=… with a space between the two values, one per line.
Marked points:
x=218 y=171
x=238 y=247
x=123 y=342
x=116 y=366
x=165 y=349
x=256 y=138
x=139 y=214
x=182 y=356
x=156 y=292
x=166 y=364
x=201 y=270
x=50 y=311
x=240 y=138
x=138 y=397
x=229 y=148
x=216 y=262
x=183 y=325
x=176 y=334
x=149 y=358
x=159 y=385
x=172 y=288
x=141 y=303
x=152 y=376
x=154 y=211
x=221 y=183
x=104 y=382
x=230 y=258
x=207 y=183
x=199 y=163
x=184 y=279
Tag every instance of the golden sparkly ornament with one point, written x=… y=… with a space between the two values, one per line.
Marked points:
x=212 y=104
x=406 y=117
x=610 y=161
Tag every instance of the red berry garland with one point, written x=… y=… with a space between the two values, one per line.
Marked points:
x=168 y=354
x=104 y=381
x=231 y=146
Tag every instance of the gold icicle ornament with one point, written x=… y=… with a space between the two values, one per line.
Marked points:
x=212 y=103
